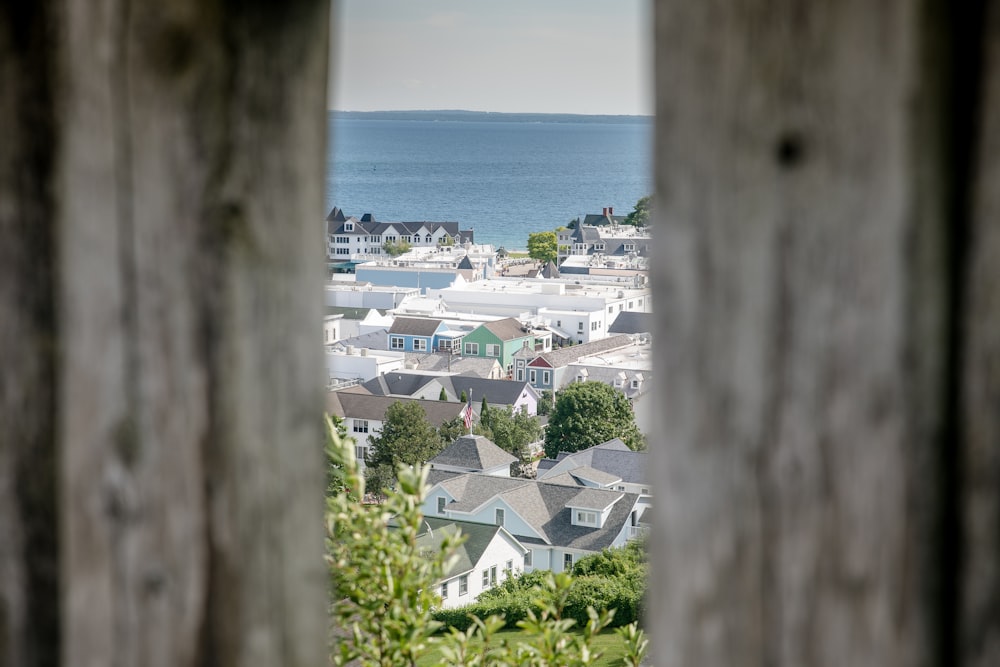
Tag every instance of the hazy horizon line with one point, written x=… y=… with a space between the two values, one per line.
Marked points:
x=512 y=113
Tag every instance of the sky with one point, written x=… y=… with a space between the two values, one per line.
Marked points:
x=541 y=56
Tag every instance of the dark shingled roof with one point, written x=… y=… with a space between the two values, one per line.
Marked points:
x=478 y=537
x=550 y=270
x=414 y=326
x=612 y=457
x=567 y=355
x=474 y=452
x=366 y=406
x=496 y=392
x=465 y=263
x=400 y=384
x=507 y=329
x=545 y=506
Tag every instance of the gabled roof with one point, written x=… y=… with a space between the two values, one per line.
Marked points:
x=631 y=322
x=465 y=263
x=480 y=367
x=603 y=219
x=545 y=507
x=506 y=329
x=496 y=392
x=478 y=538
x=550 y=270
x=336 y=215
x=612 y=457
x=415 y=326
x=599 y=477
x=474 y=452
x=567 y=355
x=398 y=384
x=365 y=406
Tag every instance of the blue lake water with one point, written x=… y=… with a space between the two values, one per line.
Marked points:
x=503 y=175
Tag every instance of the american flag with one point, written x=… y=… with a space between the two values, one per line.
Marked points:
x=467 y=413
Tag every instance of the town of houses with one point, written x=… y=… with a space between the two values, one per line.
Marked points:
x=451 y=319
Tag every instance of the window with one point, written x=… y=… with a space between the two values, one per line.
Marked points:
x=472 y=349
x=428 y=239
x=567 y=562
x=348 y=226
x=444 y=591
x=635 y=384
x=611 y=309
x=463 y=584
x=493 y=576
x=630 y=304
x=546 y=377
x=492 y=350
x=420 y=344
x=396 y=343
x=620 y=487
x=509 y=566
x=645 y=491
x=343 y=239
x=499 y=517
x=520 y=375
x=639 y=302
x=527 y=558
x=360 y=452
x=598 y=246
x=579 y=327
x=486 y=579
x=532 y=376
x=376 y=239
x=594 y=326
x=586 y=518
x=629 y=247
x=406 y=238
x=360 y=425
x=342 y=251
x=558 y=323
x=441 y=503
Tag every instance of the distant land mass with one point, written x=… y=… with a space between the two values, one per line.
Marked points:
x=487 y=116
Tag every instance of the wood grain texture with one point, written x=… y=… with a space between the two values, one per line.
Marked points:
x=29 y=141
x=192 y=462
x=802 y=303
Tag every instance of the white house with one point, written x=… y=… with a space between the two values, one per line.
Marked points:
x=488 y=556
x=361 y=364
x=558 y=524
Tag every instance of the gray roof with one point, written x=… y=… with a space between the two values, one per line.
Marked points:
x=477 y=366
x=612 y=457
x=602 y=219
x=474 y=452
x=545 y=506
x=400 y=384
x=365 y=406
x=374 y=340
x=594 y=475
x=507 y=329
x=465 y=263
x=368 y=225
x=496 y=392
x=414 y=326
x=351 y=313
x=567 y=355
x=478 y=537
x=550 y=270
x=631 y=322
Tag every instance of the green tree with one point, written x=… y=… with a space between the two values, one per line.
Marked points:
x=513 y=431
x=464 y=397
x=406 y=438
x=640 y=213
x=587 y=414
x=453 y=428
x=543 y=246
x=443 y=396
x=395 y=248
x=545 y=402
x=384 y=594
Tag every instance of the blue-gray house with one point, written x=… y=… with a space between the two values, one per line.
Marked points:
x=415 y=334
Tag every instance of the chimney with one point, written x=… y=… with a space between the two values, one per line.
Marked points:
x=611 y=211
x=605 y=211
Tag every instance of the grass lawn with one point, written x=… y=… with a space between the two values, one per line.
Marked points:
x=609 y=644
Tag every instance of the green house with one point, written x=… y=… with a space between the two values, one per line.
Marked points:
x=501 y=339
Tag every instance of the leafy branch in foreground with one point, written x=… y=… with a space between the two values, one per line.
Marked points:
x=382 y=586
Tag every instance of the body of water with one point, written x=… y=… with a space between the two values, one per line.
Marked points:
x=503 y=175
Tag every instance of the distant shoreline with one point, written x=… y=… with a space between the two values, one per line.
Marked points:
x=486 y=116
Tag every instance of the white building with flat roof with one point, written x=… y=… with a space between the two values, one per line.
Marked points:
x=579 y=310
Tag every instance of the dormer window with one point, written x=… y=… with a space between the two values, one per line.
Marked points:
x=499 y=517
x=586 y=518
x=348 y=226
